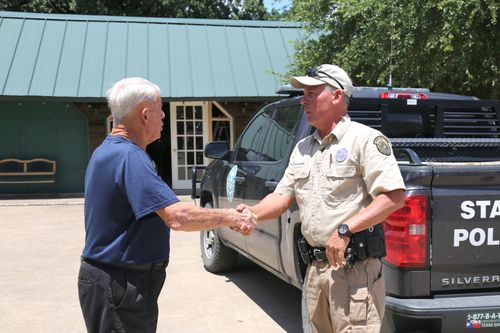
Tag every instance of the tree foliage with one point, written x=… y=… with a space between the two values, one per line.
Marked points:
x=214 y=9
x=445 y=45
x=279 y=11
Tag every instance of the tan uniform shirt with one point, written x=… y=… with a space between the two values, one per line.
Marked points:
x=331 y=184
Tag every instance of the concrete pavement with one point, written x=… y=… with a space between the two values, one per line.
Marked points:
x=41 y=242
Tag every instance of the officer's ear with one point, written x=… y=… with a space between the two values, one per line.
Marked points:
x=336 y=95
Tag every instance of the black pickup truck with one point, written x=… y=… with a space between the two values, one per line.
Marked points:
x=442 y=266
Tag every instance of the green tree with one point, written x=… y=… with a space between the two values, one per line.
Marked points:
x=445 y=45
x=214 y=9
x=249 y=10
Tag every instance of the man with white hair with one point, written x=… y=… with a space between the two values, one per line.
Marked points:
x=346 y=181
x=129 y=212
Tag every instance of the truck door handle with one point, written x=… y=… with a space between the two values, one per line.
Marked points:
x=239 y=180
x=271 y=184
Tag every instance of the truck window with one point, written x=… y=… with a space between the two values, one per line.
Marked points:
x=280 y=136
x=250 y=147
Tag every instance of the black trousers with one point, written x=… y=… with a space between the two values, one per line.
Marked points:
x=115 y=299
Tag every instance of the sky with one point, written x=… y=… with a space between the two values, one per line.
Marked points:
x=270 y=4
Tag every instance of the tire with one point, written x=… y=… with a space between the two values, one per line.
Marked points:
x=216 y=256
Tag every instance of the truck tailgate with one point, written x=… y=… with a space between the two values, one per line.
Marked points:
x=465 y=227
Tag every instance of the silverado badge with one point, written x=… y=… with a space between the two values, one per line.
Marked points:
x=230 y=182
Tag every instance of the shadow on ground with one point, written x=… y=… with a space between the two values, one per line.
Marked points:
x=280 y=300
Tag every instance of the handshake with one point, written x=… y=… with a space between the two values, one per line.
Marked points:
x=247 y=220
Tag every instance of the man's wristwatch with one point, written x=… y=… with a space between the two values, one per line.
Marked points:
x=344 y=230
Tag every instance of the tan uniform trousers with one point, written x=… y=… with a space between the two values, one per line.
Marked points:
x=345 y=300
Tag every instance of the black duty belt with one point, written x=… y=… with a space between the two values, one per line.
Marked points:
x=138 y=267
x=319 y=253
x=369 y=243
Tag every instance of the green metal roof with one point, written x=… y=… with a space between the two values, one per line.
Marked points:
x=80 y=56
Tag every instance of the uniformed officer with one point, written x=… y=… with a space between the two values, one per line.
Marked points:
x=345 y=180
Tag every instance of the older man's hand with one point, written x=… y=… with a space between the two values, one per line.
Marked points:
x=247 y=223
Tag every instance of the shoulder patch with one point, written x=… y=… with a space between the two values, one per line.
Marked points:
x=383 y=145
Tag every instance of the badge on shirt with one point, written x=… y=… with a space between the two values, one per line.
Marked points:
x=383 y=145
x=341 y=155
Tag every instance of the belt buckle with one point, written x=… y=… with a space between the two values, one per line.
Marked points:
x=317 y=254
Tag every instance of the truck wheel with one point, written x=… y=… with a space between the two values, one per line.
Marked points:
x=216 y=256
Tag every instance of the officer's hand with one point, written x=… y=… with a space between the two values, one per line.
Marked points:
x=240 y=207
x=335 y=249
x=247 y=222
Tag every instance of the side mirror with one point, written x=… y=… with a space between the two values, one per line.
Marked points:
x=217 y=150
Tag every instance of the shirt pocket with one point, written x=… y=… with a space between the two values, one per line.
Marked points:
x=342 y=184
x=303 y=185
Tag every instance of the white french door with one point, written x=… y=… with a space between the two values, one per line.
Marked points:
x=189 y=134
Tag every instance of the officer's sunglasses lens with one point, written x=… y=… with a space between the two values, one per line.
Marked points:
x=312 y=72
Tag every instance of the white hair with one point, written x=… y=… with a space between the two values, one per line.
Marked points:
x=128 y=93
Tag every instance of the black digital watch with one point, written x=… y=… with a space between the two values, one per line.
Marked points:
x=344 y=230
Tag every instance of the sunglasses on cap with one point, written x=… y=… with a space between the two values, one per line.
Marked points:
x=314 y=72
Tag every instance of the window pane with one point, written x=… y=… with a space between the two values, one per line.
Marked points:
x=199 y=158
x=182 y=173
x=181 y=158
x=190 y=157
x=216 y=113
x=190 y=143
x=280 y=136
x=189 y=112
x=180 y=112
x=287 y=117
x=251 y=141
x=220 y=130
x=198 y=114
x=199 y=143
x=189 y=127
x=180 y=143
x=180 y=127
x=199 y=127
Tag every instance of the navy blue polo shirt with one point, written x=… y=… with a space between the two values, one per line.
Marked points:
x=122 y=193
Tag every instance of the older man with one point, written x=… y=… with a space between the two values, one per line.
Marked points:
x=345 y=180
x=129 y=212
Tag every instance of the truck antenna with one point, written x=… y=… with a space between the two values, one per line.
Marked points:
x=389 y=84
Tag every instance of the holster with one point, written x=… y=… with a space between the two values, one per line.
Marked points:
x=304 y=250
x=368 y=243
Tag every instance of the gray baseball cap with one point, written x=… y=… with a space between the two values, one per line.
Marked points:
x=330 y=74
